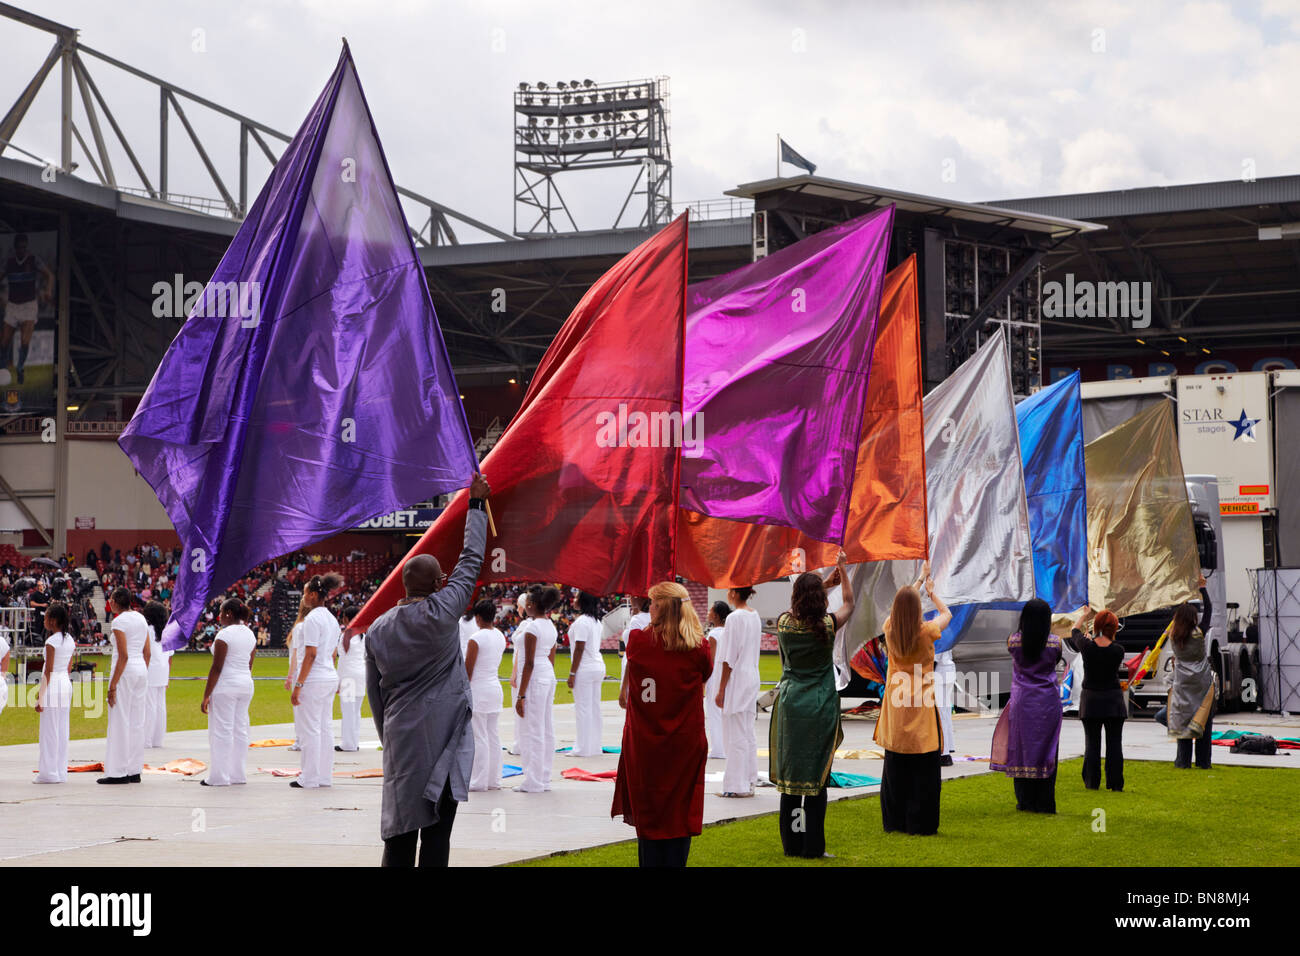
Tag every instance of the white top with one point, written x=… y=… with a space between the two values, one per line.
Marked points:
x=136 y=630
x=639 y=622
x=292 y=644
x=321 y=631
x=160 y=671
x=717 y=634
x=543 y=628
x=4 y=646
x=235 y=672
x=64 y=647
x=586 y=630
x=491 y=645
x=740 y=647
x=353 y=661
x=467 y=630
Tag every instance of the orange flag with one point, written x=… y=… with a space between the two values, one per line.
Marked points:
x=887 y=516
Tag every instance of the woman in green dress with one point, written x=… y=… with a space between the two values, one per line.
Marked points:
x=805 y=727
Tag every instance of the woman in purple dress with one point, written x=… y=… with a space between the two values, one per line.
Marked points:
x=1026 y=738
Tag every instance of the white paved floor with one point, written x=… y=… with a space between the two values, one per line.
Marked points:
x=172 y=821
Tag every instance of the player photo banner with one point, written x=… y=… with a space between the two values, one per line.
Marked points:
x=28 y=264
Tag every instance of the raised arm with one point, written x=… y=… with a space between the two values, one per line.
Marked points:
x=945 y=616
x=460 y=583
x=846 y=592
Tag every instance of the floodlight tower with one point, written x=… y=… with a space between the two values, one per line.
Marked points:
x=575 y=125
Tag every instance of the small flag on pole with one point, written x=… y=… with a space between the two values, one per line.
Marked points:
x=788 y=155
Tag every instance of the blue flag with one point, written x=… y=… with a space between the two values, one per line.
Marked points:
x=788 y=155
x=309 y=388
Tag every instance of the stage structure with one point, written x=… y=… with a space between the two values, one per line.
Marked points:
x=1277 y=600
x=576 y=126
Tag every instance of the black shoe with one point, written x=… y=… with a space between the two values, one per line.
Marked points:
x=113 y=780
x=945 y=760
x=134 y=778
x=295 y=783
x=338 y=748
x=204 y=783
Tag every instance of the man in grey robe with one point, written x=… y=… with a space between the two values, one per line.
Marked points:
x=420 y=698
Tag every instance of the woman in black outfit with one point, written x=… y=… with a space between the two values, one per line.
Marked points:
x=1101 y=704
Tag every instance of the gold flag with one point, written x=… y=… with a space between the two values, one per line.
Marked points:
x=1141 y=542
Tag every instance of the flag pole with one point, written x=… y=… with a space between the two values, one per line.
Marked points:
x=492 y=525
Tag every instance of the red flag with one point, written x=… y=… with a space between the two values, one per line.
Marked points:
x=585 y=479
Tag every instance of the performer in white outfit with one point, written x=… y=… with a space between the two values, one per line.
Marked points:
x=160 y=671
x=536 y=698
x=945 y=680
x=517 y=658
x=294 y=644
x=483 y=656
x=352 y=681
x=586 y=675
x=227 y=695
x=317 y=682
x=128 y=687
x=54 y=701
x=713 y=722
x=4 y=673
x=639 y=621
x=468 y=625
x=738 y=694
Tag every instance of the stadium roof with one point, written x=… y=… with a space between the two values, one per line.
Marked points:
x=1223 y=259
x=1054 y=226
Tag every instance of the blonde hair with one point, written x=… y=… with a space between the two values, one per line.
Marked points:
x=905 y=621
x=681 y=629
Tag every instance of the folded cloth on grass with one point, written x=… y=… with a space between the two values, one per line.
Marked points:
x=577 y=773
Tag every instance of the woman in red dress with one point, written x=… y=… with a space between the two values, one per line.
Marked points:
x=660 y=785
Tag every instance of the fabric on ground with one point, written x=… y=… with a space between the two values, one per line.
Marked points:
x=274 y=742
x=577 y=773
x=850 y=780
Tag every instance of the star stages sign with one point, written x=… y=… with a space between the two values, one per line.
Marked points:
x=1224 y=429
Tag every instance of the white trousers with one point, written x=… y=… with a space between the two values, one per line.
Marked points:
x=352 y=694
x=945 y=680
x=738 y=732
x=155 y=716
x=56 y=714
x=586 y=710
x=537 y=734
x=486 y=774
x=4 y=693
x=228 y=737
x=297 y=726
x=124 y=752
x=713 y=723
x=316 y=711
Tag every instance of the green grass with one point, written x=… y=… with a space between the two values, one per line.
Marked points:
x=1227 y=816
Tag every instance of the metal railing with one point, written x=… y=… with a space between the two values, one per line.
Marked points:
x=728 y=207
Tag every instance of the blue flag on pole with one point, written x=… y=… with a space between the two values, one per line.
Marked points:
x=309 y=388
x=788 y=155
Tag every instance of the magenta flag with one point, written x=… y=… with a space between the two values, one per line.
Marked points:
x=777 y=359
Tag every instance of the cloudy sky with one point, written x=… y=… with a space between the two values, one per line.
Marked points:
x=969 y=100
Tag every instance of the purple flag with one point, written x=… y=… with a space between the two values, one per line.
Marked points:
x=777 y=359
x=309 y=388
